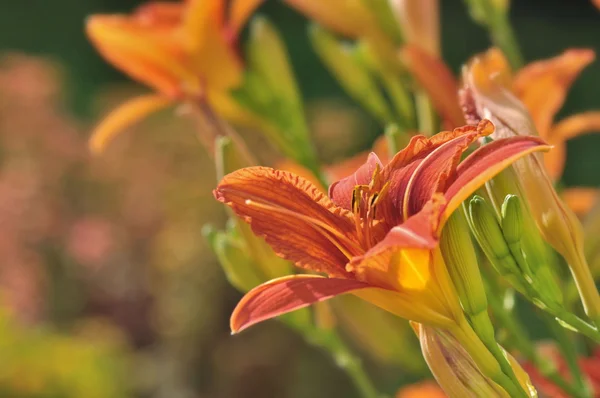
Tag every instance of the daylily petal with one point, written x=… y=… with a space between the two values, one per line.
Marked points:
x=209 y=47
x=554 y=160
x=286 y=294
x=347 y=17
x=417 y=275
x=576 y=125
x=437 y=80
x=407 y=244
x=201 y=15
x=485 y=163
x=399 y=170
x=296 y=218
x=159 y=14
x=432 y=173
x=573 y=126
x=147 y=55
x=122 y=117
x=542 y=86
x=340 y=191
x=580 y=199
x=239 y=12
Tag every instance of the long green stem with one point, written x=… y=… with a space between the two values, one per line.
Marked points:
x=570 y=354
x=494 y=16
x=522 y=343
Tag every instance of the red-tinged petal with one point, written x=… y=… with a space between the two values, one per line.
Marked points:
x=485 y=163
x=286 y=294
x=296 y=218
x=543 y=85
x=124 y=116
x=400 y=169
x=437 y=80
x=437 y=169
x=340 y=191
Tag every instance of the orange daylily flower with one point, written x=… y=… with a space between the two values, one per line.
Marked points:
x=486 y=95
x=539 y=89
x=376 y=234
x=185 y=51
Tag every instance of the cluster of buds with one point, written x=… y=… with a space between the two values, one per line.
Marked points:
x=402 y=235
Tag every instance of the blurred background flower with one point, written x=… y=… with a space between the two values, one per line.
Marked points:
x=107 y=287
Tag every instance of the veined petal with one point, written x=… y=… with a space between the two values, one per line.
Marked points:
x=239 y=13
x=542 y=86
x=486 y=162
x=340 y=191
x=122 y=117
x=296 y=218
x=146 y=54
x=282 y=295
x=433 y=172
x=437 y=80
x=402 y=166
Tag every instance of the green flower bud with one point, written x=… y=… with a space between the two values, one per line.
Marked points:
x=488 y=233
x=512 y=219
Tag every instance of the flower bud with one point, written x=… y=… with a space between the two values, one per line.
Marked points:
x=488 y=234
x=452 y=366
x=512 y=219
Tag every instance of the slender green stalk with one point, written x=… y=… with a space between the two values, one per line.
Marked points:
x=504 y=37
x=493 y=15
x=570 y=354
x=522 y=343
x=575 y=323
